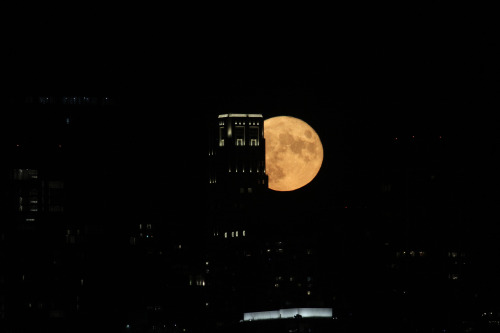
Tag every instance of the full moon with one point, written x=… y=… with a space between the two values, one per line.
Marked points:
x=294 y=153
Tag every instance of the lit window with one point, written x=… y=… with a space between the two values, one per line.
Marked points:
x=180 y=246
x=148 y=226
x=232 y=233
x=236 y=233
x=239 y=133
x=254 y=135
x=250 y=190
x=243 y=233
x=140 y=226
x=30 y=220
x=222 y=136
x=308 y=293
x=225 y=235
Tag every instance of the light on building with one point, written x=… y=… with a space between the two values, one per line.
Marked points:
x=289 y=313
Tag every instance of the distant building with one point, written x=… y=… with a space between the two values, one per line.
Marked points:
x=47 y=281
x=258 y=259
x=237 y=154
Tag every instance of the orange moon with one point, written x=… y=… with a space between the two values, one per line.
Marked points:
x=294 y=153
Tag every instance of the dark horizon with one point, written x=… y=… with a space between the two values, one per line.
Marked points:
x=401 y=218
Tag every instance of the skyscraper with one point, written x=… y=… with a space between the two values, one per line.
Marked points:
x=258 y=258
x=237 y=154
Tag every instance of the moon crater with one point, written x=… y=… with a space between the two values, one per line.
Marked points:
x=294 y=153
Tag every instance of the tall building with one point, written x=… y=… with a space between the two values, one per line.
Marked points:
x=53 y=230
x=258 y=260
x=237 y=154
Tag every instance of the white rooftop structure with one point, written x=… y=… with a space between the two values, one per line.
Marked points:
x=240 y=115
x=289 y=313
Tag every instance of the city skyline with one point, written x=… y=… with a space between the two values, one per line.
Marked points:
x=111 y=152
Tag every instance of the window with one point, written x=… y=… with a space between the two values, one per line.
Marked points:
x=239 y=134
x=243 y=233
x=253 y=133
x=225 y=235
x=236 y=233
x=25 y=174
x=222 y=136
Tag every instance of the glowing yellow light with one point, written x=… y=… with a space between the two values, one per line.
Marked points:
x=294 y=153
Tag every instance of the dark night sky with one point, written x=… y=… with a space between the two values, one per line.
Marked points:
x=357 y=84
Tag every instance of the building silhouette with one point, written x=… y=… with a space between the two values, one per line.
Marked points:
x=258 y=258
x=91 y=241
